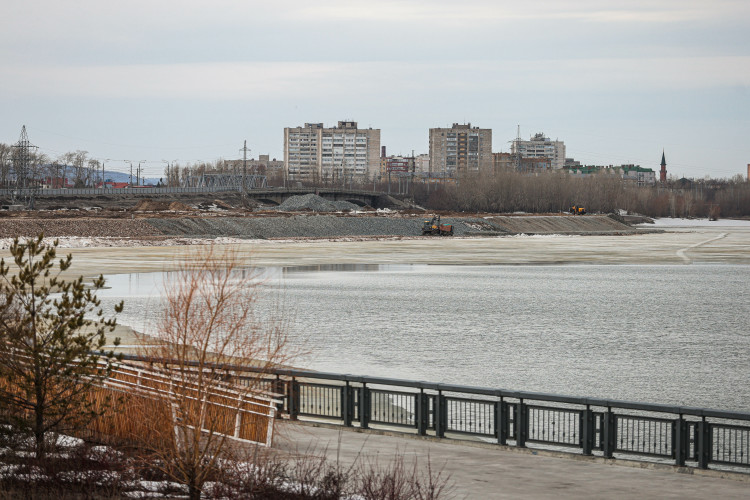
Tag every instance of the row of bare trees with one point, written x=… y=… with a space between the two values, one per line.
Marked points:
x=177 y=174
x=75 y=166
x=550 y=192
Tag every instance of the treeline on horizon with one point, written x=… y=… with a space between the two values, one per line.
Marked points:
x=505 y=191
x=554 y=192
x=549 y=192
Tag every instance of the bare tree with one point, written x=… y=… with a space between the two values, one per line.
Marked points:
x=209 y=317
x=80 y=170
x=93 y=172
x=6 y=157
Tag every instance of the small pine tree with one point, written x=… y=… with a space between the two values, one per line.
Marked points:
x=49 y=330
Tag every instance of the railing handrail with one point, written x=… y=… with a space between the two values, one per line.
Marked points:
x=442 y=387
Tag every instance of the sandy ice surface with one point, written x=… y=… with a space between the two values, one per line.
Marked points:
x=668 y=222
x=693 y=241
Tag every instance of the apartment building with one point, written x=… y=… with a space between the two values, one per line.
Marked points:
x=460 y=149
x=636 y=174
x=502 y=162
x=540 y=146
x=262 y=165
x=642 y=176
x=337 y=154
x=422 y=163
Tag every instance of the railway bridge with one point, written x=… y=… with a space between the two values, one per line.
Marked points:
x=374 y=199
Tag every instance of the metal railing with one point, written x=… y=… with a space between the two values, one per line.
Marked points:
x=132 y=191
x=683 y=436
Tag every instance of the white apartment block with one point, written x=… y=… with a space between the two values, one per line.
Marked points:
x=337 y=154
x=540 y=146
x=460 y=149
x=640 y=175
x=422 y=163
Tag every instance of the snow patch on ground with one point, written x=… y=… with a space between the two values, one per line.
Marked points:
x=68 y=442
x=106 y=242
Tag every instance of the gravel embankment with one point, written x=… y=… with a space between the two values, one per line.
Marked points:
x=331 y=226
x=310 y=226
x=87 y=228
x=539 y=224
x=154 y=229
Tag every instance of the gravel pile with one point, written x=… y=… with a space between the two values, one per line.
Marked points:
x=314 y=203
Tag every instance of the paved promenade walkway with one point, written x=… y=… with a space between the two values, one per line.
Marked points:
x=486 y=471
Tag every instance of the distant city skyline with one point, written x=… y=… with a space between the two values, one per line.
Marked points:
x=618 y=82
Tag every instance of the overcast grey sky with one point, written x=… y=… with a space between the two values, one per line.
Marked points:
x=188 y=80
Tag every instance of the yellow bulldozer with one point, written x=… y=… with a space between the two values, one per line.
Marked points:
x=434 y=227
x=577 y=210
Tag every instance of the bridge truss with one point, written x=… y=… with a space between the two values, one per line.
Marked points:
x=227 y=180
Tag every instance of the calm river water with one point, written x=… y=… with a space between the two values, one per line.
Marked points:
x=660 y=333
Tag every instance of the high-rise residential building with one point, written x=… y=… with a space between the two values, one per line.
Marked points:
x=399 y=164
x=338 y=154
x=540 y=146
x=460 y=149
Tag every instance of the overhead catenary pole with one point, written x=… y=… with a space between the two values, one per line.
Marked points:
x=244 y=166
x=518 y=149
x=167 y=162
x=138 y=177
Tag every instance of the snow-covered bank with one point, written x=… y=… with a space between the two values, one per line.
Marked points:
x=111 y=242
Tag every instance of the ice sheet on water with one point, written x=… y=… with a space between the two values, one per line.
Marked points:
x=677 y=222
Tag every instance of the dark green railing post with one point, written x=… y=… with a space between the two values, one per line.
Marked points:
x=587 y=431
x=703 y=445
x=347 y=404
x=279 y=387
x=441 y=414
x=521 y=423
x=293 y=396
x=502 y=422
x=609 y=433
x=423 y=412
x=364 y=406
x=679 y=441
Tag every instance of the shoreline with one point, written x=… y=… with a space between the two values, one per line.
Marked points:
x=692 y=242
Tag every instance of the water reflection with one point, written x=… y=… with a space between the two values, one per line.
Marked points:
x=347 y=268
x=660 y=333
